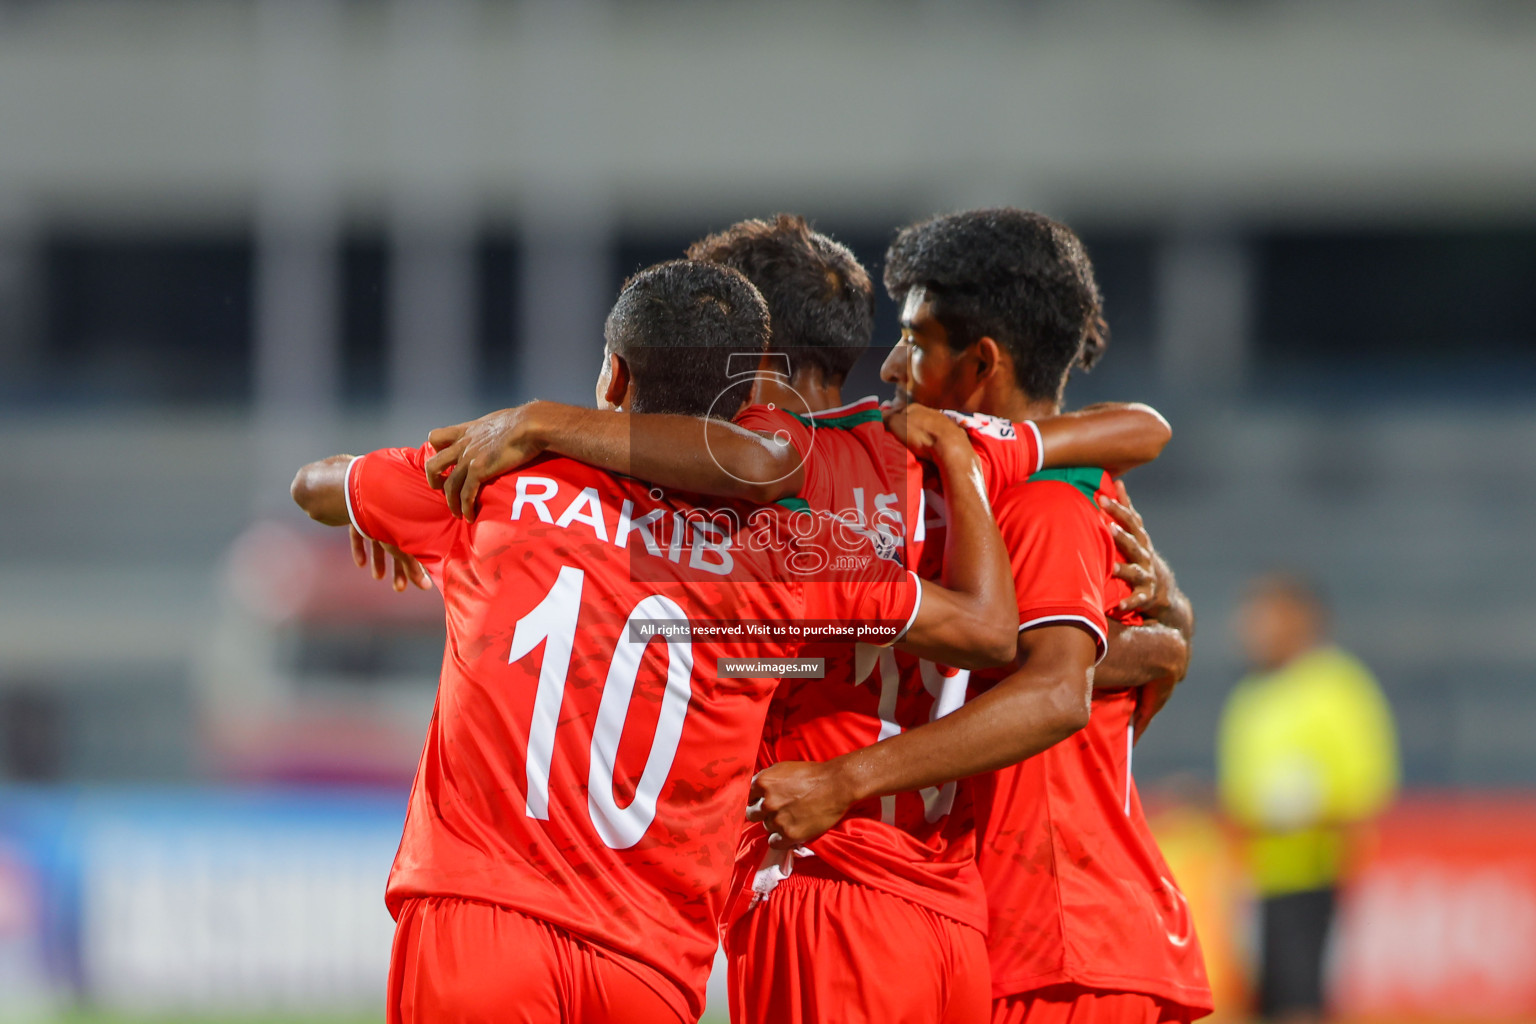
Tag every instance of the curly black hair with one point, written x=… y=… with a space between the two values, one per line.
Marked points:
x=677 y=324
x=821 y=302
x=1017 y=277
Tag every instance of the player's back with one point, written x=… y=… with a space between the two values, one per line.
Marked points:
x=1077 y=888
x=586 y=762
x=917 y=845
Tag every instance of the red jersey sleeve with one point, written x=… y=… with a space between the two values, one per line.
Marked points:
x=864 y=588
x=1008 y=452
x=1061 y=551
x=817 y=489
x=389 y=500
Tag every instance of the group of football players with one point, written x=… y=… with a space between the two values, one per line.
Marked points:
x=927 y=812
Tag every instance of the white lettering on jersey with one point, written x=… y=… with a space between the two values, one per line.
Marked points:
x=525 y=496
x=983 y=424
x=719 y=547
x=708 y=541
x=641 y=526
x=585 y=509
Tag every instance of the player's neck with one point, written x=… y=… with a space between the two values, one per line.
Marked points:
x=808 y=386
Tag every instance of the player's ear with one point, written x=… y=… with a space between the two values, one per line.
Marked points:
x=989 y=358
x=617 y=394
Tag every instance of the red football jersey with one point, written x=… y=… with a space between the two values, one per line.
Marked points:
x=582 y=765
x=919 y=846
x=856 y=469
x=1077 y=889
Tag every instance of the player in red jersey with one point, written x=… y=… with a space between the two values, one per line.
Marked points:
x=579 y=799
x=1085 y=921
x=897 y=876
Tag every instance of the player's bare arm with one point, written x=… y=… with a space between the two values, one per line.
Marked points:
x=1113 y=436
x=1044 y=701
x=1152 y=658
x=698 y=454
x=1141 y=655
x=320 y=489
x=970 y=620
x=737 y=463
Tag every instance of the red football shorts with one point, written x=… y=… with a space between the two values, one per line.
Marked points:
x=1072 y=1004
x=465 y=962
x=823 y=949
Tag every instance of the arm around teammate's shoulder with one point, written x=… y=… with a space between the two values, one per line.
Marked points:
x=969 y=620
x=385 y=497
x=1045 y=700
x=1141 y=655
x=690 y=453
x=320 y=489
x=1115 y=436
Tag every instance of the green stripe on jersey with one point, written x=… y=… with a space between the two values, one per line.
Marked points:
x=846 y=422
x=1085 y=478
x=794 y=504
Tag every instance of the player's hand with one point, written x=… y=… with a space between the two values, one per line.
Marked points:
x=1143 y=568
x=1150 y=699
x=927 y=433
x=470 y=455
x=796 y=801
x=372 y=555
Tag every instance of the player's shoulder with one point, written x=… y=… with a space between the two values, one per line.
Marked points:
x=1052 y=500
x=562 y=470
x=1074 y=489
x=767 y=417
x=852 y=441
x=860 y=414
x=852 y=429
x=982 y=427
x=857 y=415
x=562 y=489
x=396 y=470
x=408 y=456
x=1088 y=482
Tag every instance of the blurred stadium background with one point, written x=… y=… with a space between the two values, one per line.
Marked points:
x=239 y=234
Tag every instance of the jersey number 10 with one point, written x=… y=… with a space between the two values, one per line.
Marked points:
x=553 y=623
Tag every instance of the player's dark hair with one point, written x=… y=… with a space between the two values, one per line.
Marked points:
x=676 y=324
x=1020 y=278
x=821 y=302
